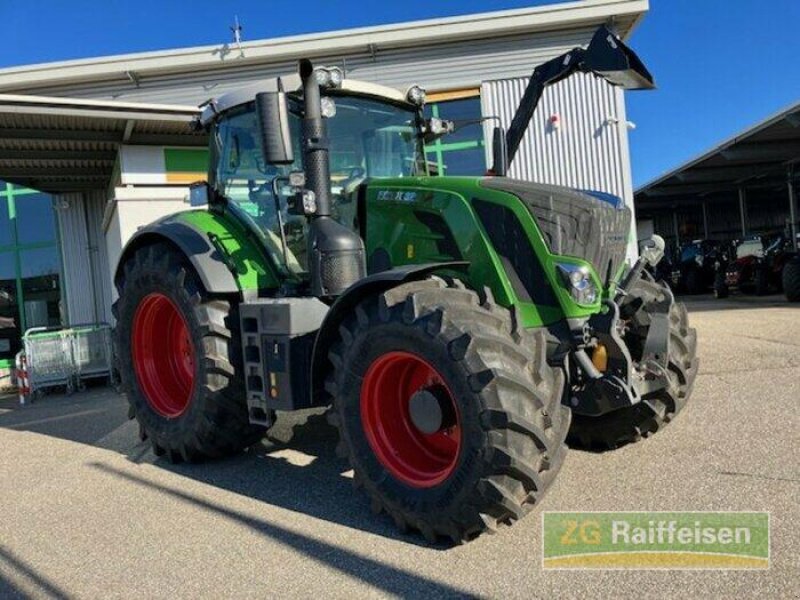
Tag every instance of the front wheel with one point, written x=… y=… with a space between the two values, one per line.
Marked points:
x=179 y=359
x=448 y=412
x=791 y=280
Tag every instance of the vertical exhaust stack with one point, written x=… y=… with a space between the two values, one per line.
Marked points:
x=337 y=258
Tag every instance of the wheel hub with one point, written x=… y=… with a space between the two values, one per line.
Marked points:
x=163 y=355
x=430 y=410
x=410 y=419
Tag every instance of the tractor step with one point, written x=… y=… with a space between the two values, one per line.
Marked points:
x=277 y=341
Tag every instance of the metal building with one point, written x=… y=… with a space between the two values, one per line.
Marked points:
x=108 y=137
x=745 y=185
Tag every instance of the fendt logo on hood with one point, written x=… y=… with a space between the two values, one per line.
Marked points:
x=397 y=196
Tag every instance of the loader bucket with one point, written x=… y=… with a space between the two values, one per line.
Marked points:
x=612 y=60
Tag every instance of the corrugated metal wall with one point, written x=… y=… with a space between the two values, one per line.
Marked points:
x=86 y=285
x=583 y=152
x=443 y=66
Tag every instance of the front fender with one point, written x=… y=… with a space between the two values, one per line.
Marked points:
x=376 y=283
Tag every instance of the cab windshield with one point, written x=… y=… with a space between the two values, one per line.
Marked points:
x=368 y=138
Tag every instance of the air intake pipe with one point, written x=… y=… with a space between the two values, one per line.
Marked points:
x=336 y=254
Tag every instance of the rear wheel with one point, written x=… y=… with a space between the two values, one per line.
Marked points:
x=447 y=411
x=656 y=410
x=791 y=280
x=179 y=359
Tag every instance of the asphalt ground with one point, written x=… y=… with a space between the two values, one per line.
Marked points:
x=87 y=511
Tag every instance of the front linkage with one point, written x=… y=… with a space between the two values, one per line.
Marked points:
x=642 y=365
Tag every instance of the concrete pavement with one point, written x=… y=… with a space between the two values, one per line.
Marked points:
x=87 y=511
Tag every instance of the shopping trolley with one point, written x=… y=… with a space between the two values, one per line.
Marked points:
x=91 y=352
x=48 y=351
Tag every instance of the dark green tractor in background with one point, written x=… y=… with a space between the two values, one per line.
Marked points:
x=461 y=328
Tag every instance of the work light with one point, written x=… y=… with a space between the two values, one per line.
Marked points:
x=416 y=95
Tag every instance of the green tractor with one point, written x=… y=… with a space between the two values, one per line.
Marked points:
x=463 y=330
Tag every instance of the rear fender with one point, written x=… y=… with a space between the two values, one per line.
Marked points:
x=209 y=263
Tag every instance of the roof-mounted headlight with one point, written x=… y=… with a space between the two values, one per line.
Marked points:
x=416 y=95
x=323 y=77
x=337 y=76
x=329 y=77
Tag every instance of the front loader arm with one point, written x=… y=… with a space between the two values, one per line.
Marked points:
x=606 y=57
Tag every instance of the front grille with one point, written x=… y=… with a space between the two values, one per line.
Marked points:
x=594 y=227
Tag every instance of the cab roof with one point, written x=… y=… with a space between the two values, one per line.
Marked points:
x=292 y=84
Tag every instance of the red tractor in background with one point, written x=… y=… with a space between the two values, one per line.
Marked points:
x=756 y=266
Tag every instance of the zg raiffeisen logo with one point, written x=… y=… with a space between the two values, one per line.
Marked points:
x=655 y=540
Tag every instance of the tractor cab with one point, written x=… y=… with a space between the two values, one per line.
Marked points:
x=373 y=132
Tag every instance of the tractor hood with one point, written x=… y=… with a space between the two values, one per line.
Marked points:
x=590 y=225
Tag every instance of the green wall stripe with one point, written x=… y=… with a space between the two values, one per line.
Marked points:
x=186 y=160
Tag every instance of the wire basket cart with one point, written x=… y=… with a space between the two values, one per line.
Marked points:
x=92 y=353
x=48 y=351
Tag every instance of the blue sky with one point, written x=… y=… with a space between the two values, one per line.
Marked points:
x=721 y=65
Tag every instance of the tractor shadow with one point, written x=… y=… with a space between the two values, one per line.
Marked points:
x=295 y=467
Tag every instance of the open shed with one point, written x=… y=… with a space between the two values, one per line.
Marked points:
x=743 y=186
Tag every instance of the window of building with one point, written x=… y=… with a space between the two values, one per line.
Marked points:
x=30 y=267
x=462 y=152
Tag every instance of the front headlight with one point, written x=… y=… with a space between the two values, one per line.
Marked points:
x=578 y=282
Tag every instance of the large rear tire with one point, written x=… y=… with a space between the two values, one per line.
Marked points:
x=179 y=356
x=486 y=437
x=632 y=424
x=791 y=280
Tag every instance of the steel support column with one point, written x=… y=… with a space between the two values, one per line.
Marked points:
x=677 y=229
x=743 y=210
x=792 y=205
x=705 y=220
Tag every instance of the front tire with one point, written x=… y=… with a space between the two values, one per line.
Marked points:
x=656 y=410
x=791 y=280
x=496 y=438
x=179 y=359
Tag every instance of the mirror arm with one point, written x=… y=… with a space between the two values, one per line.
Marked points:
x=276 y=197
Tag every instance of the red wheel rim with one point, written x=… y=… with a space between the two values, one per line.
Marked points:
x=163 y=355
x=418 y=459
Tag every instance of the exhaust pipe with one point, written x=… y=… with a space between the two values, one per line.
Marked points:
x=336 y=254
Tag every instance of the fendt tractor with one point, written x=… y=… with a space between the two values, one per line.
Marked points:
x=463 y=330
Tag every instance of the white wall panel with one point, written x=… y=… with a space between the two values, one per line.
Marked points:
x=86 y=284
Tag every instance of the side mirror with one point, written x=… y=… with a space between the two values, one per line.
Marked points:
x=499 y=152
x=272 y=111
x=199 y=194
